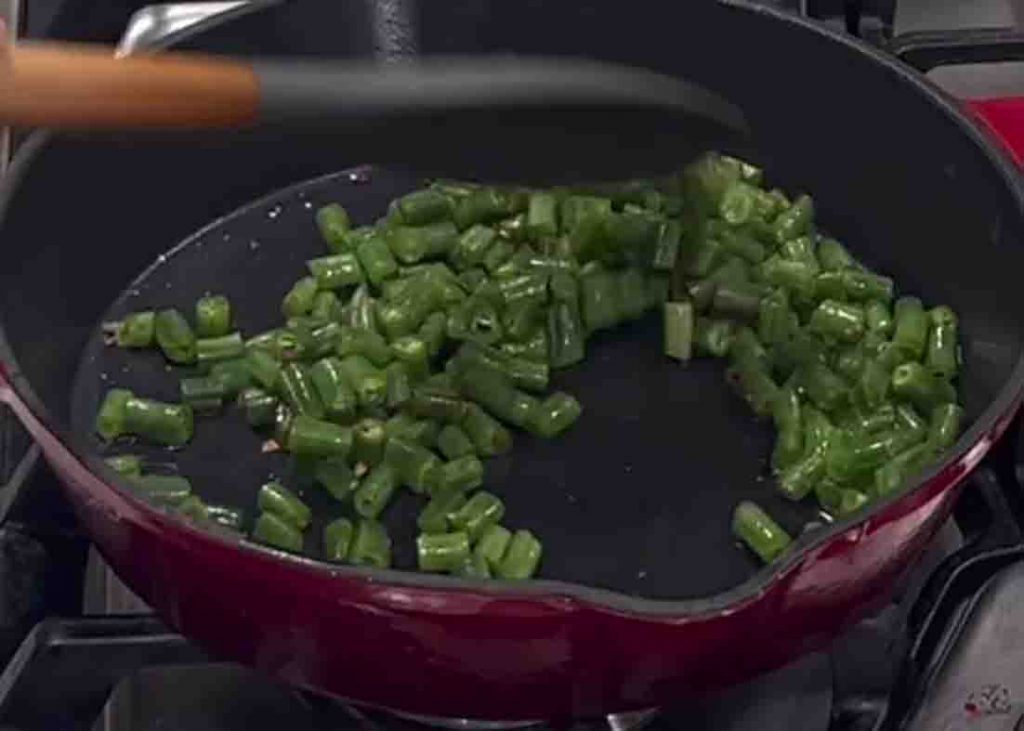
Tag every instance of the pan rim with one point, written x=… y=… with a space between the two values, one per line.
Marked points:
x=972 y=445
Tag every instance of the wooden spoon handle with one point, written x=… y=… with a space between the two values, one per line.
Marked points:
x=65 y=85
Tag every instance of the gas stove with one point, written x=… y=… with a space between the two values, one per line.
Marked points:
x=80 y=652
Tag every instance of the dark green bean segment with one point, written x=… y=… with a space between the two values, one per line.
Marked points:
x=436 y=516
x=277 y=499
x=232 y=374
x=413 y=463
x=202 y=393
x=225 y=347
x=298 y=392
x=337 y=396
x=300 y=298
x=375 y=491
x=369 y=383
x=913 y=383
x=453 y=442
x=480 y=511
x=277 y=532
x=110 y=422
x=334 y=272
x=420 y=431
x=458 y=475
x=492 y=545
x=136 y=330
x=259 y=406
x=522 y=557
x=945 y=425
x=941 y=355
x=336 y=477
x=175 y=337
x=167 y=424
x=264 y=368
x=213 y=316
x=554 y=415
x=376 y=259
x=368 y=438
x=678 y=326
x=423 y=206
x=442 y=552
x=337 y=539
x=759 y=532
x=309 y=437
x=334 y=224
x=226 y=516
x=911 y=334
x=371 y=545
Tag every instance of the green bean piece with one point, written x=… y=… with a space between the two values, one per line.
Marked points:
x=225 y=347
x=489 y=437
x=800 y=248
x=406 y=313
x=789 y=444
x=945 y=425
x=399 y=385
x=432 y=332
x=905 y=417
x=472 y=278
x=369 y=383
x=833 y=256
x=274 y=531
x=454 y=443
x=326 y=307
x=411 y=244
x=874 y=382
x=275 y=498
x=479 y=512
x=323 y=340
x=202 y=393
x=754 y=383
x=554 y=415
x=865 y=286
x=376 y=259
x=309 y=437
x=566 y=340
x=175 y=337
x=110 y=419
x=878 y=319
x=413 y=353
x=738 y=203
x=732 y=271
x=366 y=343
x=297 y=390
x=891 y=476
x=361 y=311
x=474 y=567
x=472 y=246
x=712 y=337
x=522 y=557
x=368 y=438
x=213 y=316
x=911 y=333
x=167 y=424
x=599 y=300
x=742 y=244
x=375 y=492
x=435 y=516
x=336 y=477
x=412 y=462
x=703 y=256
x=851 y=501
x=535 y=349
x=912 y=382
x=776 y=321
x=941 y=351
x=634 y=296
x=738 y=300
x=264 y=368
x=371 y=545
x=825 y=389
x=259 y=406
x=519 y=320
x=193 y=508
x=166 y=490
x=526 y=374
x=542 y=215
x=129 y=465
x=666 y=253
x=798 y=277
x=225 y=516
x=759 y=532
x=852 y=456
x=335 y=271
x=420 y=431
x=492 y=545
x=829 y=285
x=136 y=330
x=798 y=479
x=284 y=419
x=484 y=205
x=423 y=206
x=299 y=299
x=494 y=391
x=442 y=552
x=334 y=224
x=458 y=475
x=437 y=404
x=233 y=375
x=838 y=321
x=800 y=350
x=337 y=539
x=794 y=221
x=337 y=396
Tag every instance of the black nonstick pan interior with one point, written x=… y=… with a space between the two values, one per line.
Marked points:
x=637 y=497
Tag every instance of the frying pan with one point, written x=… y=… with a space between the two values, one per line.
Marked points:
x=644 y=596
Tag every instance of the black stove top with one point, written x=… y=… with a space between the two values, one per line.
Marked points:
x=81 y=653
